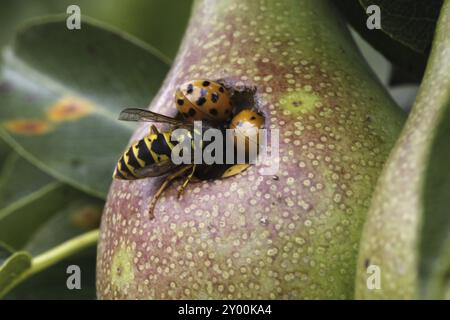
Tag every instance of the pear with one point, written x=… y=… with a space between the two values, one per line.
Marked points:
x=405 y=243
x=293 y=234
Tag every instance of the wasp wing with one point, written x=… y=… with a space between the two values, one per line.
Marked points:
x=155 y=169
x=137 y=114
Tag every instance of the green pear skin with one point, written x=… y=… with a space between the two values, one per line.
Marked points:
x=291 y=235
x=406 y=235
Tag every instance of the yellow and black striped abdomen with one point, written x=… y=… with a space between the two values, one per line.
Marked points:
x=154 y=148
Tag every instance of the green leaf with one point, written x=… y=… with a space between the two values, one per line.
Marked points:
x=410 y=22
x=60 y=102
x=407 y=233
x=406 y=29
x=51 y=283
x=5 y=151
x=22 y=218
x=12 y=266
x=80 y=215
x=9 y=21
x=31 y=195
x=41 y=214
x=20 y=178
x=147 y=20
x=5 y=252
x=160 y=23
x=52 y=214
x=16 y=267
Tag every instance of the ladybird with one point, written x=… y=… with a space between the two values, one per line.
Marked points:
x=204 y=100
x=246 y=125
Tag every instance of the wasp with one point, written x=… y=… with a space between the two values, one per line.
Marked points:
x=151 y=156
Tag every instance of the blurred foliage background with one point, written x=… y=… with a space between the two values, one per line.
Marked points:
x=37 y=210
x=160 y=23
x=46 y=211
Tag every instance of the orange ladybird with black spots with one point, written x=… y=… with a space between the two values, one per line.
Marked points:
x=204 y=100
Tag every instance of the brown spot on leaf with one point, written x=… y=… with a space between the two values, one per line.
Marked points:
x=69 y=108
x=87 y=217
x=28 y=126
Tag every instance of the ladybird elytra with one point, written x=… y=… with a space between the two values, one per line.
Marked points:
x=204 y=100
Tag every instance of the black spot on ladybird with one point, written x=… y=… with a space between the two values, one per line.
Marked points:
x=252 y=118
x=191 y=112
x=205 y=83
x=201 y=101
x=180 y=102
x=213 y=111
x=214 y=97
x=190 y=88
x=221 y=89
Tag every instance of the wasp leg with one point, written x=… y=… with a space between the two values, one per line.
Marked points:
x=153 y=129
x=164 y=186
x=186 y=182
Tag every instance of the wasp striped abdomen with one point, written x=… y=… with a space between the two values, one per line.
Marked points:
x=147 y=157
